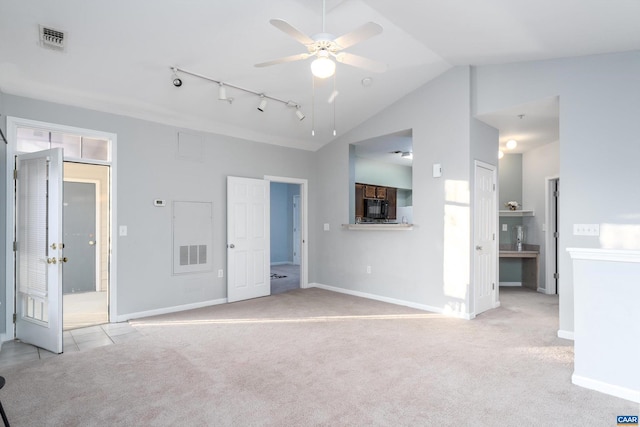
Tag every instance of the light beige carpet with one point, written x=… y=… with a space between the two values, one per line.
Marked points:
x=313 y=357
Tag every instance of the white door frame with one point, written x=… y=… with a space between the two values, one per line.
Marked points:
x=13 y=123
x=297 y=241
x=304 y=255
x=549 y=220
x=496 y=293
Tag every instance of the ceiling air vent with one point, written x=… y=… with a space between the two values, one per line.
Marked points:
x=52 y=39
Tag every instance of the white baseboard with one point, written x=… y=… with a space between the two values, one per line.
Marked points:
x=510 y=283
x=167 y=310
x=567 y=335
x=606 y=388
x=466 y=316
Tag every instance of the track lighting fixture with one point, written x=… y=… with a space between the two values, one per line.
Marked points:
x=263 y=103
x=222 y=92
x=177 y=82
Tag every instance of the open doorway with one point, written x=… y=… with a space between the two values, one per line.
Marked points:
x=286 y=237
x=85 y=282
x=89 y=167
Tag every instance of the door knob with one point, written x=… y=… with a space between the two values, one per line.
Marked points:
x=478 y=248
x=92 y=242
x=64 y=259
x=52 y=260
x=232 y=246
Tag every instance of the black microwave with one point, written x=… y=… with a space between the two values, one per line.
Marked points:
x=376 y=209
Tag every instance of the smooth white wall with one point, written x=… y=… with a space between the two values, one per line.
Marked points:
x=537 y=166
x=148 y=167
x=599 y=150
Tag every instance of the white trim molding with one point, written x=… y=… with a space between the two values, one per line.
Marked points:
x=167 y=310
x=424 y=307
x=567 y=335
x=602 y=387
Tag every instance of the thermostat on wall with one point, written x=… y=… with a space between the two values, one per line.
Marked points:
x=159 y=202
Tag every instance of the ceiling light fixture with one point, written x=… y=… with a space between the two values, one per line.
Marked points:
x=263 y=103
x=511 y=144
x=500 y=154
x=177 y=82
x=323 y=67
x=222 y=90
x=407 y=155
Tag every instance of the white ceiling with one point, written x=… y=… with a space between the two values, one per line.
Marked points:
x=119 y=54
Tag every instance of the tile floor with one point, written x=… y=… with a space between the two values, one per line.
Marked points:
x=14 y=352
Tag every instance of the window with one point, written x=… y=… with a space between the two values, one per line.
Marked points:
x=76 y=147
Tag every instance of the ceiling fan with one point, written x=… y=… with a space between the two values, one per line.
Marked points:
x=325 y=46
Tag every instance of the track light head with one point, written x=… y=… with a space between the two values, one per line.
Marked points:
x=263 y=103
x=177 y=82
x=222 y=92
x=300 y=114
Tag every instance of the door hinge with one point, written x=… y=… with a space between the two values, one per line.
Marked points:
x=493 y=286
x=15 y=246
x=556 y=194
x=556 y=234
x=14 y=318
x=494 y=236
x=556 y=275
x=15 y=174
x=494 y=187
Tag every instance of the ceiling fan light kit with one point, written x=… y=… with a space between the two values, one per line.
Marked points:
x=323 y=67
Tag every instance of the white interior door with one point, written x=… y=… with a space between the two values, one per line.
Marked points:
x=39 y=249
x=296 y=230
x=485 y=254
x=248 y=238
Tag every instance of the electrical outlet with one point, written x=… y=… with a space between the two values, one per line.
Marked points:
x=586 y=229
x=220 y=273
x=326 y=227
x=505 y=227
x=368 y=269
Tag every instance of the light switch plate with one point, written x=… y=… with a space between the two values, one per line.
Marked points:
x=437 y=170
x=326 y=227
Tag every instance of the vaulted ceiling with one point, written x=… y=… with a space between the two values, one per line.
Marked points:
x=118 y=54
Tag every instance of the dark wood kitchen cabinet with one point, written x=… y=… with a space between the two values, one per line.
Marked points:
x=366 y=191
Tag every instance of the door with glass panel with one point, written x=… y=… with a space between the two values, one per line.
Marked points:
x=39 y=249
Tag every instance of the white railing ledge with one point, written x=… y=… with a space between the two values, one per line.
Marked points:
x=599 y=254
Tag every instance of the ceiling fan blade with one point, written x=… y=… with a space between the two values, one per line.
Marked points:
x=285 y=27
x=361 y=33
x=361 y=62
x=291 y=58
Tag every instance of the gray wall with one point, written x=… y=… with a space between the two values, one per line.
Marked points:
x=510 y=179
x=429 y=265
x=282 y=221
x=537 y=166
x=381 y=173
x=148 y=168
x=599 y=150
